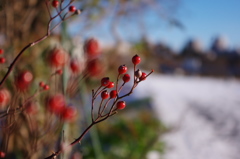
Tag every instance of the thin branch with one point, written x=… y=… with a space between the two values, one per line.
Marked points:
x=49 y=30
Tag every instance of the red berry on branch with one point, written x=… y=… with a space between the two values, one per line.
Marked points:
x=91 y=47
x=2 y=154
x=23 y=80
x=75 y=66
x=69 y=113
x=105 y=81
x=46 y=87
x=94 y=68
x=121 y=105
x=2 y=60
x=143 y=77
x=104 y=94
x=110 y=85
x=1 y=51
x=59 y=71
x=56 y=103
x=58 y=58
x=26 y=77
x=55 y=3
x=122 y=69
x=72 y=9
x=113 y=94
x=126 y=78
x=31 y=108
x=5 y=97
x=136 y=60
x=41 y=84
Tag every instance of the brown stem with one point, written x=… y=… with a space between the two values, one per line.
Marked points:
x=105 y=106
x=55 y=154
x=10 y=68
x=99 y=110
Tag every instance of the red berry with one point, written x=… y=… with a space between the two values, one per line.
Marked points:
x=55 y=3
x=26 y=77
x=121 y=105
x=2 y=154
x=143 y=77
x=91 y=47
x=23 y=80
x=72 y=9
x=2 y=60
x=104 y=94
x=94 y=68
x=46 y=87
x=110 y=85
x=58 y=58
x=122 y=69
x=4 y=97
x=59 y=71
x=1 y=51
x=69 y=113
x=126 y=78
x=56 y=103
x=31 y=108
x=136 y=60
x=105 y=81
x=75 y=66
x=113 y=94
x=41 y=84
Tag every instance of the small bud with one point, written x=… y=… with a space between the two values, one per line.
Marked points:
x=59 y=71
x=2 y=60
x=46 y=87
x=138 y=73
x=41 y=84
x=77 y=12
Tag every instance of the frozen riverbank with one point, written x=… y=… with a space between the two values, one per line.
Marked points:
x=204 y=114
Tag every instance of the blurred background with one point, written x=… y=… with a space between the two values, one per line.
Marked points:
x=188 y=108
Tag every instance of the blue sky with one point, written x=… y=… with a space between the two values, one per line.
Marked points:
x=204 y=20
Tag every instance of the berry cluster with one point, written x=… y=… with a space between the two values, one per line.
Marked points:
x=56 y=105
x=56 y=4
x=17 y=100
x=2 y=59
x=111 y=98
x=114 y=93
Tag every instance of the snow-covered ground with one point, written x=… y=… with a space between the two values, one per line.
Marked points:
x=203 y=112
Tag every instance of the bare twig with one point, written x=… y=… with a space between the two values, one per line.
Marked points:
x=100 y=117
x=48 y=33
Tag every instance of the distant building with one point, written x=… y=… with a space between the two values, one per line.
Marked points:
x=219 y=45
x=191 y=56
x=192 y=48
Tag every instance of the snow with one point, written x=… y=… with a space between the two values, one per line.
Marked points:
x=204 y=114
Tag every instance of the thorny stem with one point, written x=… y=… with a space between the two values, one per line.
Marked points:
x=20 y=108
x=49 y=30
x=94 y=94
x=105 y=106
x=78 y=140
x=92 y=115
x=97 y=93
x=121 y=87
x=99 y=110
x=46 y=2
x=117 y=83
